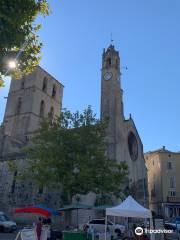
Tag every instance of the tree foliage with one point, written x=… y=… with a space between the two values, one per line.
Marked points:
x=69 y=154
x=18 y=35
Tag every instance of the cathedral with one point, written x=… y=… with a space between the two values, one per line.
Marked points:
x=38 y=96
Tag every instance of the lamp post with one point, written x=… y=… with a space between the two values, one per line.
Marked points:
x=76 y=172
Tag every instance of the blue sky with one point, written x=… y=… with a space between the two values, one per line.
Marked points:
x=147 y=35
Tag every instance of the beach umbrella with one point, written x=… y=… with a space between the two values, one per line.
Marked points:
x=38 y=209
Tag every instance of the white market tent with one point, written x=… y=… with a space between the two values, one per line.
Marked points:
x=129 y=208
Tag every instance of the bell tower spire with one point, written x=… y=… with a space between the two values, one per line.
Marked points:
x=111 y=96
x=111 y=92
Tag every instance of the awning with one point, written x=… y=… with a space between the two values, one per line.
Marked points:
x=75 y=207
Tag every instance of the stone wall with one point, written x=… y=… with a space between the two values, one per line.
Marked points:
x=15 y=192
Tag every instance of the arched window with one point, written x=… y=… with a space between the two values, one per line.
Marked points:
x=19 y=104
x=108 y=62
x=51 y=113
x=14 y=182
x=42 y=109
x=44 y=87
x=54 y=91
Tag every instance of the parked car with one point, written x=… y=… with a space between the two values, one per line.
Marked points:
x=169 y=226
x=6 y=225
x=173 y=224
x=99 y=226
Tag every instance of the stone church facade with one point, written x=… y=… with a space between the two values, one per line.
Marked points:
x=124 y=143
x=30 y=99
x=38 y=96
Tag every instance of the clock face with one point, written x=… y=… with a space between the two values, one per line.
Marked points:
x=108 y=75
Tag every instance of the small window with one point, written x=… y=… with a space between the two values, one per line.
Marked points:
x=19 y=104
x=172 y=193
x=14 y=182
x=51 y=113
x=172 y=182
x=44 y=87
x=169 y=165
x=42 y=108
x=54 y=91
x=108 y=62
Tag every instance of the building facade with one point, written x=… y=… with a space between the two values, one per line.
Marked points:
x=124 y=143
x=164 y=182
x=30 y=100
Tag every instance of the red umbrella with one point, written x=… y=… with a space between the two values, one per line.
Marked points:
x=35 y=210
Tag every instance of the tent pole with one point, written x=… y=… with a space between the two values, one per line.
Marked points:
x=77 y=220
x=106 y=227
x=152 y=237
x=17 y=235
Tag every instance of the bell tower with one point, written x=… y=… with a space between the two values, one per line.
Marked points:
x=31 y=99
x=123 y=141
x=111 y=96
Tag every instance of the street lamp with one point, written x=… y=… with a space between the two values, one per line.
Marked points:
x=76 y=172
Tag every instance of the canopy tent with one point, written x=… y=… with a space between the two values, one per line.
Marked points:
x=129 y=208
x=75 y=206
x=102 y=207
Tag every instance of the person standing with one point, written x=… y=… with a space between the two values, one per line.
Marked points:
x=39 y=229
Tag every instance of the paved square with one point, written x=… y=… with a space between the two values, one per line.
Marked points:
x=7 y=236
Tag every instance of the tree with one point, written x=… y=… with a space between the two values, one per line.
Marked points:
x=69 y=154
x=18 y=35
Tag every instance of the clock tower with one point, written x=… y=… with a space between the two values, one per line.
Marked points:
x=123 y=141
x=111 y=96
